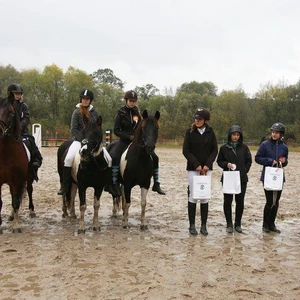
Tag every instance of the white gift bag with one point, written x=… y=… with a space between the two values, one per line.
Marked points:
x=231 y=182
x=201 y=187
x=273 y=180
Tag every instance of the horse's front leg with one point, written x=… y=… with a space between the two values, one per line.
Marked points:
x=11 y=216
x=126 y=194
x=16 y=206
x=144 y=193
x=97 y=195
x=0 y=212
x=82 y=208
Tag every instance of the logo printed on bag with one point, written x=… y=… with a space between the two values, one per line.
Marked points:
x=274 y=178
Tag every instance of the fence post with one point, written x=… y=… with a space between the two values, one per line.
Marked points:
x=37 y=134
x=108 y=136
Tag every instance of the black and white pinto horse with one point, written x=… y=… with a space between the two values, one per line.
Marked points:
x=89 y=169
x=137 y=164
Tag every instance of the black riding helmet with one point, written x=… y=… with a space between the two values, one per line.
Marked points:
x=14 y=87
x=86 y=93
x=131 y=95
x=202 y=113
x=278 y=127
x=235 y=128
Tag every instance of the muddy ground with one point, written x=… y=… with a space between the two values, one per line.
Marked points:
x=49 y=260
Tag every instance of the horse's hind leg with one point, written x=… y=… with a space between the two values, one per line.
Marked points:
x=31 y=206
x=126 y=193
x=96 y=225
x=144 y=193
x=116 y=206
x=64 y=207
x=82 y=208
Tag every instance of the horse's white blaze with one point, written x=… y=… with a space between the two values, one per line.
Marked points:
x=95 y=154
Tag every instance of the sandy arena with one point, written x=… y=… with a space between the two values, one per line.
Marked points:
x=49 y=260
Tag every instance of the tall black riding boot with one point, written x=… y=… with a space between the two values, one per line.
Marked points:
x=273 y=215
x=267 y=218
x=204 y=214
x=192 y=217
x=66 y=180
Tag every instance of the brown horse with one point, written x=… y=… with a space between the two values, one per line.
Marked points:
x=13 y=158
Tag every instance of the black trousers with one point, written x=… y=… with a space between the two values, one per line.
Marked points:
x=239 y=206
x=271 y=207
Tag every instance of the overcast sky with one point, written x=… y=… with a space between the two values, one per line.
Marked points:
x=163 y=42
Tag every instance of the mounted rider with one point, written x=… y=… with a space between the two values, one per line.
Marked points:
x=15 y=93
x=125 y=124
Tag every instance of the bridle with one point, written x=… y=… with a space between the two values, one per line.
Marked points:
x=6 y=127
x=143 y=143
x=94 y=153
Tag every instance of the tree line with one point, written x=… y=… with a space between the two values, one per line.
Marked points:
x=52 y=95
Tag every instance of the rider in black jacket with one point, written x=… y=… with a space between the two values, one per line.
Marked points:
x=15 y=92
x=126 y=121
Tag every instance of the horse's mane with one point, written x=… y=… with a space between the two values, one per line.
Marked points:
x=15 y=125
x=138 y=131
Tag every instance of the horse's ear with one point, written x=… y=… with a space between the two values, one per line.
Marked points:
x=157 y=115
x=145 y=114
x=99 y=121
x=11 y=100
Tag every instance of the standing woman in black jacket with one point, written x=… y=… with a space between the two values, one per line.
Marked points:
x=235 y=155
x=200 y=148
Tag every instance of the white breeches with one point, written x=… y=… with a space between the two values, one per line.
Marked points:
x=74 y=148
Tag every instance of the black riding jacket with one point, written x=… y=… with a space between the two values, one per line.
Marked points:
x=124 y=125
x=77 y=123
x=200 y=149
x=239 y=155
x=24 y=114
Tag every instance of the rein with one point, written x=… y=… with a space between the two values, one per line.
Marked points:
x=94 y=158
x=7 y=128
x=97 y=164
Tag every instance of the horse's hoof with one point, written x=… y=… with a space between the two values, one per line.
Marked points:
x=125 y=226
x=80 y=231
x=32 y=215
x=10 y=219
x=144 y=227
x=97 y=229
x=17 y=230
